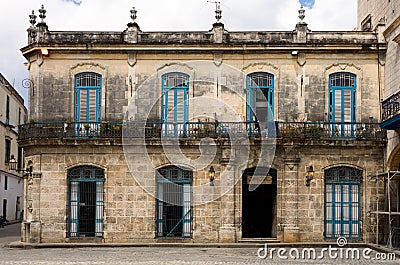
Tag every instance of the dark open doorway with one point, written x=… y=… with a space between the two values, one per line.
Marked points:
x=259 y=205
x=87 y=210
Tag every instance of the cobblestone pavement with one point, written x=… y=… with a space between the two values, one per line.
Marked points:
x=157 y=255
x=160 y=256
x=10 y=233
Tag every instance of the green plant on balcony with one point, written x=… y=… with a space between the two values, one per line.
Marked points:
x=313 y=130
x=104 y=127
x=86 y=127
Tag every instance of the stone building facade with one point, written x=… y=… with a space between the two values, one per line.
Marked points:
x=214 y=136
x=12 y=114
x=384 y=16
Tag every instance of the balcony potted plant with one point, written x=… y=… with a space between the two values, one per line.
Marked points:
x=86 y=126
x=313 y=130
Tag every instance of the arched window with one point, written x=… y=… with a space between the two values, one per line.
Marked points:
x=175 y=87
x=174 y=202
x=260 y=97
x=342 y=103
x=87 y=97
x=86 y=201
x=342 y=202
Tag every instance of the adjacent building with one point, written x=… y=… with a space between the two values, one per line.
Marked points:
x=12 y=114
x=384 y=17
x=206 y=136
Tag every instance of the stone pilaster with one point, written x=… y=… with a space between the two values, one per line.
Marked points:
x=228 y=230
x=31 y=227
x=132 y=33
x=42 y=31
x=289 y=202
x=218 y=31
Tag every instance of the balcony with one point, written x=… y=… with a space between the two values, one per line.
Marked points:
x=198 y=130
x=390 y=112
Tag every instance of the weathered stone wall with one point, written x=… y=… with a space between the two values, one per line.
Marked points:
x=389 y=10
x=130 y=210
x=299 y=90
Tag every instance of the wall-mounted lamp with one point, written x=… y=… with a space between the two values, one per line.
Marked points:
x=310 y=175
x=44 y=51
x=12 y=165
x=211 y=173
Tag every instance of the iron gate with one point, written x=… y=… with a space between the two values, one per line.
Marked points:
x=342 y=202
x=174 y=202
x=86 y=202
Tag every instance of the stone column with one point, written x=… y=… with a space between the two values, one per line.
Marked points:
x=290 y=200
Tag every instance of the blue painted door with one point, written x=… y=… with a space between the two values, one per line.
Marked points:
x=175 y=87
x=87 y=103
x=260 y=100
x=342 y=202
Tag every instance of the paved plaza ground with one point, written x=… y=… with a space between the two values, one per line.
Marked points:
x=156 y=255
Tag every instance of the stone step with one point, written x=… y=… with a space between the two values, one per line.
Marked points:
x=259 y=240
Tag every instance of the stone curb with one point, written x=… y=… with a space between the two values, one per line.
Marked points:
x=12 y=222
x=22 y=245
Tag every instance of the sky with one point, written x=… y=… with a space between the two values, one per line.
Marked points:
x=159 y=15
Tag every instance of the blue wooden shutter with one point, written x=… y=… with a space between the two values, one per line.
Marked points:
x=174 y=103
x=88 y=97
x=342 y=102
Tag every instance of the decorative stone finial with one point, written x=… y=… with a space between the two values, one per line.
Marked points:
x=301 y=28
x=133 y=14
x=302 y=14
x=132 y=32
x=42 y=13
x=32 y=19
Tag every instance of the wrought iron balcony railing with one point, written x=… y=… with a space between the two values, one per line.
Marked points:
x=391 y=107
x=198 y=130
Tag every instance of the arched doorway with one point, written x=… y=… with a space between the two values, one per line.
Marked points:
x=174 y=202
x=86 y=201
x=342 y=202
x=259 y=205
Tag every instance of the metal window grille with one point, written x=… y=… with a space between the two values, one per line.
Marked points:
x=174 y=202
x=342 y=202
x=86 y=202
